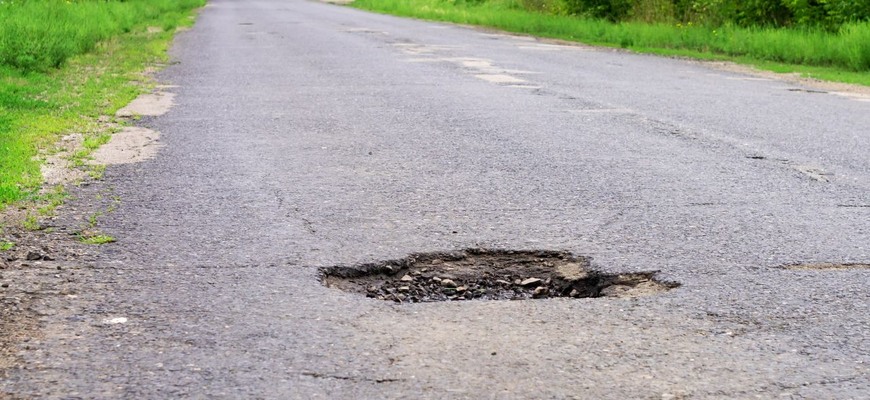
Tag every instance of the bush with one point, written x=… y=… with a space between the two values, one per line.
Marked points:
x=613 y=10
x=556 y=7
x=827 y=14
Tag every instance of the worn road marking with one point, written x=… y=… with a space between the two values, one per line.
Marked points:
x=550 y=47
x=853 y=96
x=365 y=30
x=603 y=110
x=481 y=68
x=745 y=78
x=814 y=172
x=499 y=78
x=477 y=63
x=420 y=60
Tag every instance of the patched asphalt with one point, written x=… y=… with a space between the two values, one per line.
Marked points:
x=308 y=135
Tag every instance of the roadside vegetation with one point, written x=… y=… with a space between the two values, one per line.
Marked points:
x=66 y=64
x=827 y=39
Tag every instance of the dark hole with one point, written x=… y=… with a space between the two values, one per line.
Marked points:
x=482 y=274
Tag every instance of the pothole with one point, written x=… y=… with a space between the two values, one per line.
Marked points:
x=828 y=266
x=482 y=274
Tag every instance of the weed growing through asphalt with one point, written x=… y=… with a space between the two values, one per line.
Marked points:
x=93 y=219
x=89 y=234
x=96 y=171
x=31 y=223
x=96 y=239
x=49 y=201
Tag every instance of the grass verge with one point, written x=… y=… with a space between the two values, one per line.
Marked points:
x=842 y=56
x=63 y=65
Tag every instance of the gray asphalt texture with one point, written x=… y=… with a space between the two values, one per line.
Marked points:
x=308 y=135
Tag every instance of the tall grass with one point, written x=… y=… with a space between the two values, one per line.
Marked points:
x=848 y=49
x=43 y=34
x=65 y=63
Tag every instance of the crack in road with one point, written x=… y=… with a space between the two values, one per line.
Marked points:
x=351 y=378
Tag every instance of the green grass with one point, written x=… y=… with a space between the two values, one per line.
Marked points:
x=50 y=200
x=31 y=223
x=97 y=239
x=6 y=246
x=40 y=35
x=93 y=219
x=841 y=56
x=63 y=64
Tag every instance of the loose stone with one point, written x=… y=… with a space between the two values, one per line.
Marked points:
x=531 y=282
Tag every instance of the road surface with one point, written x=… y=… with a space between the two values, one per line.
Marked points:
x=307 y=135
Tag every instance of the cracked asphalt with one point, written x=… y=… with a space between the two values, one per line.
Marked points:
x=307 y=135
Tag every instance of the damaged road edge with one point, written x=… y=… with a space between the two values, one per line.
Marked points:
x=136 y=144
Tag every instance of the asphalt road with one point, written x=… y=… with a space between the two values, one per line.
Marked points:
x=307 y=135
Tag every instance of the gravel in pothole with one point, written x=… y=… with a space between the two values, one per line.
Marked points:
x=481 y=274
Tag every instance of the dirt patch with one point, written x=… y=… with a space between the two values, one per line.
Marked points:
x=57 y=169
x=149 y=105
x=828 y=266
x=481 y=274
x=131 y=145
